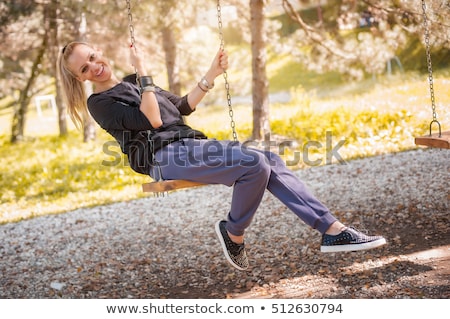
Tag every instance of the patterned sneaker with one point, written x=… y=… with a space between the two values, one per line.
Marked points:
x=350 y=239
x=235 y=253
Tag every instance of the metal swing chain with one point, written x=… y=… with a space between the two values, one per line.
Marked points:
x=430 y=67
x=131 y=28
x=225 y=75
x=222 y=46
x=133 y=44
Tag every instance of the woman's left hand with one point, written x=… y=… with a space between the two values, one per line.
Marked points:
x=220 y=63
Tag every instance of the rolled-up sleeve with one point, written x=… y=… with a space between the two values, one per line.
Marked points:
x=181 y=103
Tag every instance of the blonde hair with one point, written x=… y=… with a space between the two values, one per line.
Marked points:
x=73 y=89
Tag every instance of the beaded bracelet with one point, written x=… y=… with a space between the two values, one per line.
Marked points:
x=148 y=88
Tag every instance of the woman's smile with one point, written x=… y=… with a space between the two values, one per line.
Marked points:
x=100 y=71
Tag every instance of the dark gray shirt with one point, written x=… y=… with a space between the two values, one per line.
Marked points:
x=117 y=111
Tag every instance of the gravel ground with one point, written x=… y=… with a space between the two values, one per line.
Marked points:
x=150 y=248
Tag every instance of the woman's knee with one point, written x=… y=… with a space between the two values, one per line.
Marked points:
x=258 y=163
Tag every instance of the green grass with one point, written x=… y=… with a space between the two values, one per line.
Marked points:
x=48 y=175
x=53 y=175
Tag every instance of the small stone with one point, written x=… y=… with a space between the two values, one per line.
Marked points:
x=57 y=285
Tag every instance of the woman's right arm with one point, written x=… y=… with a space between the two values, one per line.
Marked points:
x=149 y=104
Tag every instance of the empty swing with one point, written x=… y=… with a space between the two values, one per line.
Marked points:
x=161 y=186
x=439 y=139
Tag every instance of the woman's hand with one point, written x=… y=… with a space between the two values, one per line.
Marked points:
x=219 y=64
x=136 y=61
x=149 y=104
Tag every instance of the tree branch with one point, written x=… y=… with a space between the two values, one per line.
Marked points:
x=314 y=36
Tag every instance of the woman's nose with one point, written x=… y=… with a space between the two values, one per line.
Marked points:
x=93 y=68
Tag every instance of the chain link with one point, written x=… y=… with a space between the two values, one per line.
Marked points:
x=131 y=28
x=430 y=66
x=225 y=74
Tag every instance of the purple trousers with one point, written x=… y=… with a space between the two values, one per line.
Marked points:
x=249 y=171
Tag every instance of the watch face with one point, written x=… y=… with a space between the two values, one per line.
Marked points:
x=206 y=83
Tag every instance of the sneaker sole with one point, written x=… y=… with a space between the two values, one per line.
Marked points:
x=353 y=247
x=224 y=247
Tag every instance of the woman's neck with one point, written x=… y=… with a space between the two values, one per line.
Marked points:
x=104 y=86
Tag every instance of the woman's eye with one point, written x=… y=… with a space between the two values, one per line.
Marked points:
x=91 y=58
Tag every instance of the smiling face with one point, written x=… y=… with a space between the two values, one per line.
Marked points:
x=87 y=63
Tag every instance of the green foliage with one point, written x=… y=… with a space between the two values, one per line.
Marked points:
x=368 y=128
x=52 y=175
x=286 y=73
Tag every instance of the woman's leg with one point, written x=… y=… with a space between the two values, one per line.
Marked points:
x=220 y=162
x=336 y=237
x=292 y=192
x=251 y=172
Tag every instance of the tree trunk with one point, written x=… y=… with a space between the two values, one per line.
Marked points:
x=19 y=118
x=54 y=51
x=260 y=84
x=319 y=13
x=170 y=51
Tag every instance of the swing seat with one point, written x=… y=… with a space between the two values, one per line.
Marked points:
x=168 y=185
x=434 y=140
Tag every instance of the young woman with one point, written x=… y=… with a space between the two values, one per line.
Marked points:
x=147 y=122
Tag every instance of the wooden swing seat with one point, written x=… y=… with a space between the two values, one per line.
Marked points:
x=168 y=185
x=434 y=140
